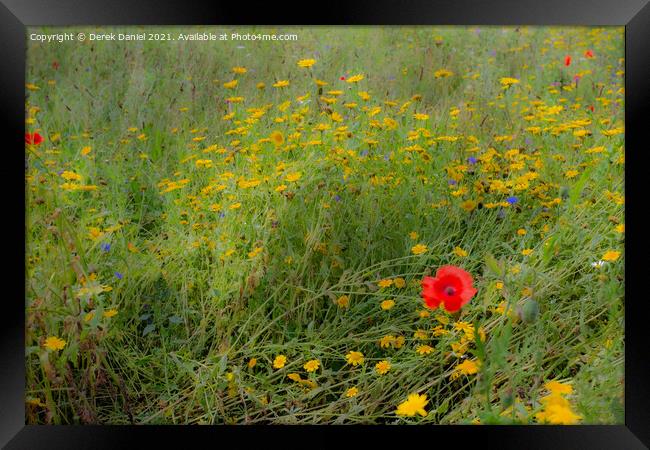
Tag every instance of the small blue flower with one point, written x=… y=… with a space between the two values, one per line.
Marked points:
x=452 y=182
x=364 y=153
x=118 y=275
x=106 y=246
x=512 y=200
x=222 y=215
x=471 y=160
x=337 y=198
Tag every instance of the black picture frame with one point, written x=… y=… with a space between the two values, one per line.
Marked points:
x=16 y=15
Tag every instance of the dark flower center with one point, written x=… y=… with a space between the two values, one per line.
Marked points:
x=449 y=290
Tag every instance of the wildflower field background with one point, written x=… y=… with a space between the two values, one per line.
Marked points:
x=237 y=231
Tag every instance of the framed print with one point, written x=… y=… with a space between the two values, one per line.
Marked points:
x=377 y=214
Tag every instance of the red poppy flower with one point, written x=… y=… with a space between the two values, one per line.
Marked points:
x=589 y=54
x=342 y=78
x=591 y=108
x=567 y=60
x=33 y=138
x=55 y=65
x=452 y=287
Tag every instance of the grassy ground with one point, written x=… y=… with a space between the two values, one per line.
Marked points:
x=181 y=234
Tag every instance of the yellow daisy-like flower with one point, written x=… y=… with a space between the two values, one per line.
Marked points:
x=387 y=304
x=306 y=63
x=468 y=367
x=352 y=392
x=386 y=282
x=460 y=252
x=382 y=367
x=419 y=249
x=252 y=363
x=507 y=81
x=54 y=343
x=442 y=73
x=343 y=301
x=386 y=341
x=468 y=205
x=555 y=387
x=413 y=405
x=558 y=415
x=110 y=313
x=521 y=232
x=399 y=282
x=231 y=84
x=70 y=176
x=611 y=255
x=527 y=251
x=413 y=235
x=312 y=365
x=277 y=138
x=355 y=78
x=354 y=358
x=279 y=362
x=294 y=377
x=281 y=83
x=256 y=251
x=420 y=334
x=291 y=177
x=424 y=349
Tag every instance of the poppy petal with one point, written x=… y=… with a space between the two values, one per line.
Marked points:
x=453 y=304
x=465 y=277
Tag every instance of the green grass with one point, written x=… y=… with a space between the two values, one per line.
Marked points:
x=191 y=314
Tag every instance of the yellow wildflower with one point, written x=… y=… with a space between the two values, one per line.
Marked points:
x=279 y=362
x=54 y=343
x=413 y=405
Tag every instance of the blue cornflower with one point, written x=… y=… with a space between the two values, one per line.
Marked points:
x=106 y=246
x=452 y=182
x=118 y=275
x=512 y=200
x=471 y=160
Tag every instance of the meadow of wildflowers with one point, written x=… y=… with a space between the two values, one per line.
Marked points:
x=373 y=225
